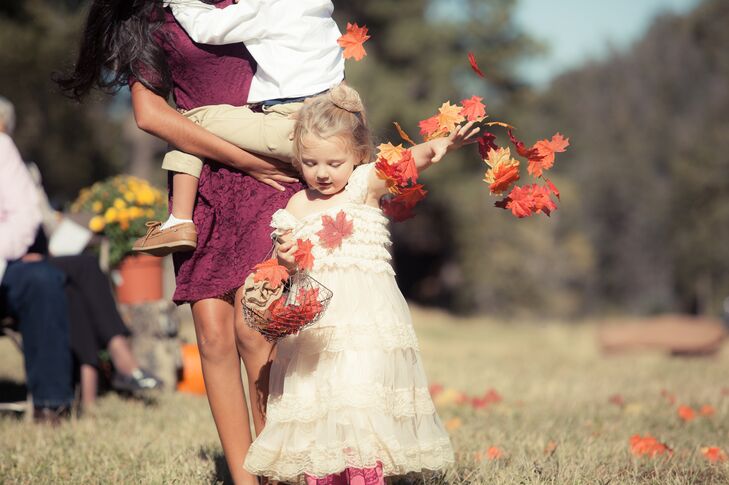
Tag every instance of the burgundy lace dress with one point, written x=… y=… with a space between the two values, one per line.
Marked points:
x=233 y=210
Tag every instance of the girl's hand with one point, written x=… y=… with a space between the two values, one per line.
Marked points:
x=285 y=250
x=271 y=172
x=464 y=135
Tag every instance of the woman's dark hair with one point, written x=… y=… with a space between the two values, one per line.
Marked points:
x=119 y=42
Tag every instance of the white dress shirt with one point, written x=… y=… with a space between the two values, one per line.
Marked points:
x=294 y=42
x=20 y=215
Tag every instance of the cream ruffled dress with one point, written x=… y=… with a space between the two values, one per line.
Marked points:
x=350 y=391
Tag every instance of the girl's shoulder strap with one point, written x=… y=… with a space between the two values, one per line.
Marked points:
x=358 y=183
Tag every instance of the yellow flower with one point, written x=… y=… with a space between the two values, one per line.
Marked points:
x=120 y=204
x=110 y=215
x=97 y=206
x=149 y=213
x=135 y=212
x=97 y=224
x=129 y=196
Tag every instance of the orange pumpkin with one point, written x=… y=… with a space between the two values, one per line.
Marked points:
x=192 y=378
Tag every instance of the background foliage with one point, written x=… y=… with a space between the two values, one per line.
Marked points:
x=642 y=226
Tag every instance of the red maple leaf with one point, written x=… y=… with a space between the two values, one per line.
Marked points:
x=429 y=126
x=474 y=66
x=520 y=202
x=387 y=172
x=352 y=41
x=486 y=143
x=504 y=176
x=473 y=109
x=302 y=255
x=396 y=210
x=270 y=271
x=406 y=169
x=334 y=230
x=542 y=201
x=410 y=196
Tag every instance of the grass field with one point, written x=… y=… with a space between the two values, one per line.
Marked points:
x=556 y=424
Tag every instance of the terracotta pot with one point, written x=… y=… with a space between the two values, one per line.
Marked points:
x=141 y=279
x=192 y=378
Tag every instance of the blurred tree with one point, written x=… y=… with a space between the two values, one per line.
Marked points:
x=649 y=164
x=416 y=61
x=73 y=144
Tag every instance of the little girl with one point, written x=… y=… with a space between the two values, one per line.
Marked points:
x=294 y=43
x=348 y=395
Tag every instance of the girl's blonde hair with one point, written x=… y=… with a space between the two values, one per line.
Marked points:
x=338 y=113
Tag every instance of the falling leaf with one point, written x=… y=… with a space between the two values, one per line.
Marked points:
x=473 y=109
x=270 y=271
x=520 y=202
x=388 y=172
x=449 y=116
x=531 y=154
x=686 y=413
x=543 y=203
x=474 y=66
x=547 y=148
x=504 y=171
x=302 y=255
x=352 y=41
x=714 y=454
x=334 y=230
x=390 y=152
x=402 y=133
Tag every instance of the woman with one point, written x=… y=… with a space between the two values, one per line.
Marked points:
x=140 y=43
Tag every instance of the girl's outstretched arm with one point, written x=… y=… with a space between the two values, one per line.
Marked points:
x=156 y=117
x=427 y=153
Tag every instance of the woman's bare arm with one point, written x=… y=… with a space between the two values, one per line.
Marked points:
x=156 y=117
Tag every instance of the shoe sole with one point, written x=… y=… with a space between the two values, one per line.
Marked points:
x=166 y=248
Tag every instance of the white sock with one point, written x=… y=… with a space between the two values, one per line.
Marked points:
x=173 y=221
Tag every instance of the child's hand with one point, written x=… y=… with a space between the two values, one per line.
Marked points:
x=285 y=249
x=464 y=135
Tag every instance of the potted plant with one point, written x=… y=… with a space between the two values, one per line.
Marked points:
x=121 y=205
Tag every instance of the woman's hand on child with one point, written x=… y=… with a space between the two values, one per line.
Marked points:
x=464 y=135
x=271 y=172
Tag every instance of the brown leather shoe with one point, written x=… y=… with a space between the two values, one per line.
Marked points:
x=161 y=242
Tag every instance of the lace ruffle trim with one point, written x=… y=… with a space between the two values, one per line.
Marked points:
x=321 y=461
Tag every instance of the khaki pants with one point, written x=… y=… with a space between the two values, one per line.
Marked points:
x=268 y=133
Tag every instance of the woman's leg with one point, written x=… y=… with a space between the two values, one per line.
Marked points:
x=257 y=354
x=216 y=340
x=89 y=377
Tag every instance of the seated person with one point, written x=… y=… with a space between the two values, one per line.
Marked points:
x=32 y=290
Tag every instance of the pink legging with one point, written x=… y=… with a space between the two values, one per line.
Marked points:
x=351 y=476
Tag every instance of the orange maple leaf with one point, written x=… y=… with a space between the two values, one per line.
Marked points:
x=449 y=116
x=334 y=230
x=390 y=152
x=473 y=109
x=474 y=66
x=429 y=126
x=270 y=271
x=302 y=255
x=543 y=203
x=402 y=133
x=504 y=170
x=714 y=454
x=352 y=41
x=520 y=202
x=545 y=151
x=388 y=172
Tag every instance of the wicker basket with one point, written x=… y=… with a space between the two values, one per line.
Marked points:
x=302 y=303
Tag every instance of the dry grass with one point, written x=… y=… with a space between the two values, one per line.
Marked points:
x=555 y=386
